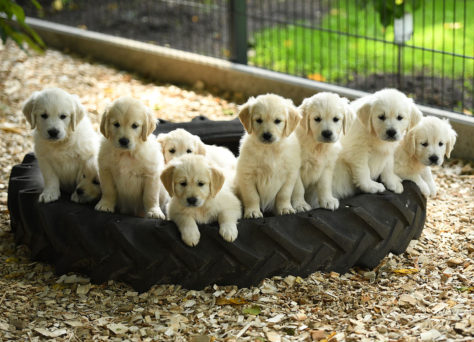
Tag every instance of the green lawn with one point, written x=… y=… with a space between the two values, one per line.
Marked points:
x=314 y=53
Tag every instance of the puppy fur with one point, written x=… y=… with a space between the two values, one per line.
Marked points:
x=179 y=142
x=88 y=185
x=199 y=196
x=369 y=146
x=424 y=145
x=269 y=161
x=325 y=117
x=130 y=160
x=63 y=136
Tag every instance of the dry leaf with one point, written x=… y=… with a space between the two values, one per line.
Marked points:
x=317 y=77
x=406 y=271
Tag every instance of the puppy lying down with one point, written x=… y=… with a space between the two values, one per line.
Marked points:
x=199 y=194
x=425 y=145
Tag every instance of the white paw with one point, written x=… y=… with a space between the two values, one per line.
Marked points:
x=49 y=196
x=373 y=187
x=395 y=185
x=433 y=191
x=155 y=213
x=301 y=206
x=425 y=190
x=105 y=206
x=285 y=211
x=228 y=231
x=75 y=197
x=330 y=203
x=190 y=236
x=252 y=213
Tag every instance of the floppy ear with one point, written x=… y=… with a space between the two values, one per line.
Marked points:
x=217 y=181
x=349 y=117
x=305 y=117
x=451 y=141
x=245 y=116
x=162 y=139
x=292 y=120
x=104 y=123
x=409 y=142
x=167 y=179
x=28 y=107
x=149 y=125
x=200 y=147
x=364 y=115
x=78 y=112
x=415 y=116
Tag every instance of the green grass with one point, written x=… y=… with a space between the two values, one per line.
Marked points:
x=313 y=53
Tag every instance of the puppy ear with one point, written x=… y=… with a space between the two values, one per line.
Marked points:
x=217 y=181
x=200 y=147
x=28 y=107
x=78 y=112
x=416 y=115
x=364 y=115
x=349 y=117
x=245 y=116
x=149 y=125
x=162 y=140
x=167 y=179
x=306 y=118
x=292 y=120
x=451 y=141
x=409 y=142
x=104 y=123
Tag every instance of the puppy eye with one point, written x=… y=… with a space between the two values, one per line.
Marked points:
x=172 y=151
x=183 y=184
x=259 y=121
x=440 y=143
x=200 y=184
x=117 y=124
x=63 y=116
x=44 y=116
x=95 y=182
x=277 y=121
x=134 y=126
x=382 y=117
x=335 y=119
x=424 y=144
x=318 y=119
x=399 y=118
x=188 y=151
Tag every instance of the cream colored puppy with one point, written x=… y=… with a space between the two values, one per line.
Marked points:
x=88 y=185
x=369 y=145
x=269 y=161
x=130 y=160
x=63 y=136
x=179 y=142
x=198 y=195
x=424 y=145
x=326 y=116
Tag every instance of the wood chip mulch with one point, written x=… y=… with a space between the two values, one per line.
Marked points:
x=425 y=294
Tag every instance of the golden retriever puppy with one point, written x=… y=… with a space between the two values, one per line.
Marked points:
x=199 y=195
x=424 y=145
x=88 y=185
x=326 y=116
x=369 y=145
x=179 y=142
x=130 y=160
x=63 y=136
x=269 y=161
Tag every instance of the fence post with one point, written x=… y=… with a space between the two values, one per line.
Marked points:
x=238 y=30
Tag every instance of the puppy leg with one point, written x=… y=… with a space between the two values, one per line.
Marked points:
x=151 y=198
x=361 y=177
x=109 y=194
x=250 y=199
x=188 y=229
x=324 y=186
x=51 y=191
x=428 y=178
x=297 y=198
x=283 y=197
x=311 y=196
x=228 y=224
x=390 y=179
x=420 y=182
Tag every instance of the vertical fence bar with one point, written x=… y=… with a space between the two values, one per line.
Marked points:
x=238 y=30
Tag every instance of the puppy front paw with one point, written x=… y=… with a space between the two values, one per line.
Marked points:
x=106 y=206
x=49 y=195
x=190 y=236
x=285 y=210
x=252 y=213
x=394 y=185
x=155 y=213
x=433 y=190
x=424 y=188
x=228 y=231
x=373 y=187
x=330 y=203
x=301 y=206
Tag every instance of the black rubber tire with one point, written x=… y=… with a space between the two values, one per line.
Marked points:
x=143 y=252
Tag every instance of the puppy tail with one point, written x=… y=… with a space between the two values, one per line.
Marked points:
x=342 y=185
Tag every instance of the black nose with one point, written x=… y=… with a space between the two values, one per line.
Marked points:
x=53 y=132
x=326 y=133
x=391 y=132
x=267 y=136
x=124 y=142
x=191 y=200
x=434 y=159
x=80 y=191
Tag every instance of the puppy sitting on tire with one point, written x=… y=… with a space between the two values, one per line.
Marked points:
x=130 y=161
x=64 y=139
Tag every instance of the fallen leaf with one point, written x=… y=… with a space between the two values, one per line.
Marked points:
x=406 y=271
x=252 y=310
x=317 y=77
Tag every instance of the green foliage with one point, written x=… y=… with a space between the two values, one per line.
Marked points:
x=388 y=10
x=13 y=25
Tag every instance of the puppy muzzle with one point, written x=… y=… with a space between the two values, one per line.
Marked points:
x=391 y=135
x=433 y=160
x=53 y=134
x=124 y=143
x=267 y=138
x=327 y=136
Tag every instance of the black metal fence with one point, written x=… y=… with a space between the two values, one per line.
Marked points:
x=352 y=43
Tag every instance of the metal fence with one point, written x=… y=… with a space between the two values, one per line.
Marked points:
x=342 y=42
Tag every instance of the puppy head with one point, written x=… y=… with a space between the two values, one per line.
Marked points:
x=192 y=180
x=54 y=113
x=127 y=122
x=269 y=117
x=430 y=141
x=179 y=142
x=388 y=114
x=326 y=116
x=88 y=186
